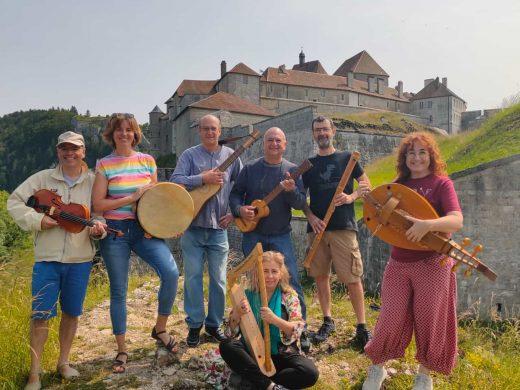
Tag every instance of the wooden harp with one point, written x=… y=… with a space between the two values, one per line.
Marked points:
x=259 y=347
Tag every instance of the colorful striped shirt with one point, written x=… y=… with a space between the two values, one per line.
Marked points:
x=125 y=175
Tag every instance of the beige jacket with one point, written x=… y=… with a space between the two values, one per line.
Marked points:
x=54 y=244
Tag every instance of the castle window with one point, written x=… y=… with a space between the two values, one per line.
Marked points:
x=306 y=93
x=323 y=93
x=342 y=96
x=245 y=79
x=430 y=104
x=421 y=105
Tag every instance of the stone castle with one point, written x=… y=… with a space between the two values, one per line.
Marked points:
x=242 y=97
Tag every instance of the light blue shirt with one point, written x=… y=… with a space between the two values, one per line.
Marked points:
x=188 y=172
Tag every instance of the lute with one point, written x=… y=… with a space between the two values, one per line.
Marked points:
x=202 y=194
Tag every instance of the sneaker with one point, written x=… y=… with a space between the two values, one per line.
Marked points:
x=422 y=382
x=193 y=338
x=376 y=376
x=279 y=387
x=216 y=333
x=326 y=329
x=362 y=337
x=305 y=343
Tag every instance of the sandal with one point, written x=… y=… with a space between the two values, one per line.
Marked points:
x=118 y=365
x=171 y=346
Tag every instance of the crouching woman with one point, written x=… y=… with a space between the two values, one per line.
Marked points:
x=293 y=369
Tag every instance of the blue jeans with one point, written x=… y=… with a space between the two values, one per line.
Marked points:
x=197 y=242
x=281 y=243
x=116 y=254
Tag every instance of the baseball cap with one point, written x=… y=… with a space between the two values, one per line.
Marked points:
x=70 y=137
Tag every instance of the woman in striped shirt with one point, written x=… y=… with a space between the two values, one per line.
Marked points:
x=121 y=179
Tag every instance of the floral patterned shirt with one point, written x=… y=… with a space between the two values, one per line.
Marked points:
x=291 y=312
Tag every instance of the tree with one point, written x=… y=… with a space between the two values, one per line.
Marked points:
x=87 y=113
x=74 y=110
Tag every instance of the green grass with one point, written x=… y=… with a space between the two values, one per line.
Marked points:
x=15 y=310
x=489 y=353
x=499 y=137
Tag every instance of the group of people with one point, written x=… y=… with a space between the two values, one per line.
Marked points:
x=411 y=302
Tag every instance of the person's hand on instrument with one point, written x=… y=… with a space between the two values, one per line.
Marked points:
x=98 y=229
x=342 y=199
x=267 y=315
x=288 y=184
x=48 y=223
x=247 y=212
x=140 y=191
x=419 y=228
x=213 y=176
x=244 y=307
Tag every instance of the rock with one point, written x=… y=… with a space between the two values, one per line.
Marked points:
x=169 y=371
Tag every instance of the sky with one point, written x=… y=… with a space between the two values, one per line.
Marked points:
x=110 y=56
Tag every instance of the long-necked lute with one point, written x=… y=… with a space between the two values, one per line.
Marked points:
x=202 y=194
x=384 y=212
x=354 y=157
x=262 y=205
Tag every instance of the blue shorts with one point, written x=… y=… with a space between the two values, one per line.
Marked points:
x=52 y=280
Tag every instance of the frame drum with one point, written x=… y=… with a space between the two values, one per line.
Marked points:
x=165 y=210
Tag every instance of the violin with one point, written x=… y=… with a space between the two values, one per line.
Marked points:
x=72 y=217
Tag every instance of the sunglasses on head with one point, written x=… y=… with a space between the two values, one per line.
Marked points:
x=122 y=115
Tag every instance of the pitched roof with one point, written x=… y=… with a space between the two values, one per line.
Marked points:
x=156 y=109
x=317 y=80
x=434 y=89
x=232 y=103
x=362 y=62
x=310 y=66
x=243 y=69
x=195 y=87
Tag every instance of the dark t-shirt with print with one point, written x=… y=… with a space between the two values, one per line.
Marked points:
x=322 y=180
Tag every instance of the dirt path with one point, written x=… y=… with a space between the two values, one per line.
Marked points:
x=152 y=367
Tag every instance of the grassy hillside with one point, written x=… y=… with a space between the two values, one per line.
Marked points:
x=499 y=137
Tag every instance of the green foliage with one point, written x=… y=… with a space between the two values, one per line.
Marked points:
x=11 y=236
x=499 y=137
x=28 y=141
x=167 y=161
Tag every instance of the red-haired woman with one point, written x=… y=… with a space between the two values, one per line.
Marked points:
x=419 y=295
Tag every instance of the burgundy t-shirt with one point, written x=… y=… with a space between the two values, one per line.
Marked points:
x=440 y=193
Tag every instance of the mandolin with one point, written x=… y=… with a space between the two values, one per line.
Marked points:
x=202 y=194
x=262 y=205
x=385 y=210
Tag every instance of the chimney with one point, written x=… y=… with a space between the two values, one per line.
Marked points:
x=427 y=81
x=445 y=81
x=223 y=69
x=371 y=84
x=437 y=82
x=302 y=57
x=281 y=68
x=400 y=89
x=350 y=79
x=380 y=86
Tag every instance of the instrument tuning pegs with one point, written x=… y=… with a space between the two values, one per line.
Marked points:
x=467 y=272
x=455 y=266
x=444 y=261
x=477 y=249
x=466 y=242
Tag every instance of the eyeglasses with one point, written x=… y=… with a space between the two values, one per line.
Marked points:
x=122 y=115
x=413 y=153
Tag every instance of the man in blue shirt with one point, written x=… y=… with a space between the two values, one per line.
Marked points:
x=207 y=236
x=258 y=178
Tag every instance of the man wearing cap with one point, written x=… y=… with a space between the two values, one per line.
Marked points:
x=62 y=260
